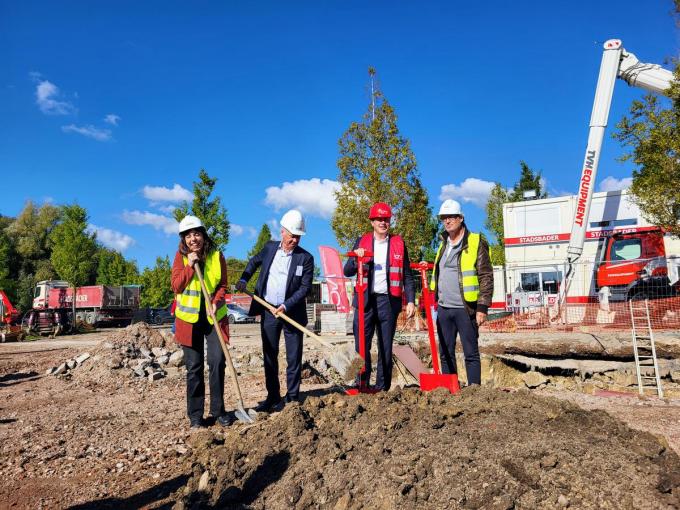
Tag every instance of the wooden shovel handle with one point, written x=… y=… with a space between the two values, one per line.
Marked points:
x=227 y=355
x=290 y=321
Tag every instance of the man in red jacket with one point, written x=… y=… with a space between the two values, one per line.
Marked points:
x=389 y=277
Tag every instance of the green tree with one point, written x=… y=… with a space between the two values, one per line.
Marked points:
x=29 y=235
x=114 y=269
x=494 y=222
x=263 y=238
x=73 y=249
x=652 y=136
x=7 y=260
x=376 y=164
x=156 y=290
x=528 y=181
x=211 y=212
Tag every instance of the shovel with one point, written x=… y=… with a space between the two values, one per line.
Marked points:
x=429 y=382
x=240 y=412
x=347 y=363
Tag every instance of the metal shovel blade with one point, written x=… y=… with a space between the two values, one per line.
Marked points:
x=244 y=416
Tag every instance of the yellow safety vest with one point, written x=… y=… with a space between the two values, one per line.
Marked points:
x=468 y=261
x=189 y=301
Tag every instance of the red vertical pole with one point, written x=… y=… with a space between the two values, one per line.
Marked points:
x=422 y=267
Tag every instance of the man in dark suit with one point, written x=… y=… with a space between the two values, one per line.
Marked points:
x=285 y=280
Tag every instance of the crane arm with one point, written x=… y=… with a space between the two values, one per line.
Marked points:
x=616 y=62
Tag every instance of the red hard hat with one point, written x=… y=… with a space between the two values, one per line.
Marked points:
x=380 y=210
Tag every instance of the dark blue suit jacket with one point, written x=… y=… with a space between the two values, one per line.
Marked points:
x=297 y=287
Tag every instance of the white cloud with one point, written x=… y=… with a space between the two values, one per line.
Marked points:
x=112 y=238
x=239 y=230
x=310 y=196
x=101 y=135
x=45 y=94
x=157 y=221
x=613 y=184
x=169 y=209
x=162 y=194
x=112 y=119
x=471 y=190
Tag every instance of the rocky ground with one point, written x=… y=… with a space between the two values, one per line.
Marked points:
x=108 y=433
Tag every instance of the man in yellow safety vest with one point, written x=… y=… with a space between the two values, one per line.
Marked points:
x=462 y=282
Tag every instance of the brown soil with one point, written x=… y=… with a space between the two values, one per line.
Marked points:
x=101 y=438
x=483 y=448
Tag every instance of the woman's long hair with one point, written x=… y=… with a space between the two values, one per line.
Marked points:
x=207 y=245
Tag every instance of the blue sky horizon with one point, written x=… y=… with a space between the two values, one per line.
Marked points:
x=116 y=107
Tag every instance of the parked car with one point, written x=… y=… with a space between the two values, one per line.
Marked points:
x=238 y=315
x=156 y=316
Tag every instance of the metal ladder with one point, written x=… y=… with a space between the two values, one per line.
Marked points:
x=644 y=348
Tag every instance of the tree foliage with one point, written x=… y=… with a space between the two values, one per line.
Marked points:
x=28 y=237
x=528 y=181
x=114 y=269
x=211 y=212
x=652 y=136
x=263 y=238
x=376 y=164
x=494 y=222
x=73 y=248
x=156 y=291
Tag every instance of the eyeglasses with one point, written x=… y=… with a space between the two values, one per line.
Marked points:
x=451 y=217
x=381 y=220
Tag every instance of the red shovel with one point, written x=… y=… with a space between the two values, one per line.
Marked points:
x=429 y=382
x=361 y=284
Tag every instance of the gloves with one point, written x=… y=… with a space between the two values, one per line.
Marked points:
x=241 y=285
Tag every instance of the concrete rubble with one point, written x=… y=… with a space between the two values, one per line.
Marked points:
x=139 y=350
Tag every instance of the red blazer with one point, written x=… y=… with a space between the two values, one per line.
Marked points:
x=181 y=276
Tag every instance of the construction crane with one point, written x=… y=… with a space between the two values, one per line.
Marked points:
x=616 y=62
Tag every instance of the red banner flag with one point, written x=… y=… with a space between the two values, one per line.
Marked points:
x=335 y=280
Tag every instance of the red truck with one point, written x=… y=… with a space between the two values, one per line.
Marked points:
x=95 y=304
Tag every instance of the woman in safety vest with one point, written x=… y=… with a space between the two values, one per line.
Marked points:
x=192 y=323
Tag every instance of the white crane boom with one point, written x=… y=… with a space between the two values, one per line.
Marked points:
x=616 y=61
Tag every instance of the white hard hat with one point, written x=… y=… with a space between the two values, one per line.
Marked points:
x=189 y=222
x=293 y=222
x=450 y=206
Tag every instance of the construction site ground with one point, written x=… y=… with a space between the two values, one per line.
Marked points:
x=98 y=438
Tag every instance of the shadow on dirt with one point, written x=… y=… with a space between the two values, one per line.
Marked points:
x=147 y=497
x=17 y=377
x=269 y=472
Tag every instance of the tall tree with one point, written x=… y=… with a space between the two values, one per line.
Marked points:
x=652 y=136
x=528 y=181
x=29 y=234
x=73 y=249
x=7 y=260
x=263 y=238
x=211 y=212
x=156 y=291
x=494 y=222
x=114 y=269
x=376 y=164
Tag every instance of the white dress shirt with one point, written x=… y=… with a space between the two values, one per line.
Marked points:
x=278 y=277
x=380 y=266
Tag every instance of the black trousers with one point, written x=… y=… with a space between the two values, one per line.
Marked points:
x=450 y=322
x=271 y=327
x=381 y=315
x=194 y=361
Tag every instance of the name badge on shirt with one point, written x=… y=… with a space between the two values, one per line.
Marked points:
x=298 y=271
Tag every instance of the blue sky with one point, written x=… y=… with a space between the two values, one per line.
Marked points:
x=117 y=105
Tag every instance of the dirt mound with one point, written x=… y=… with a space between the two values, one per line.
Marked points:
x=139 y=335
x=483 y=448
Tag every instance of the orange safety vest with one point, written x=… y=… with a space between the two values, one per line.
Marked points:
x=395 y=261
